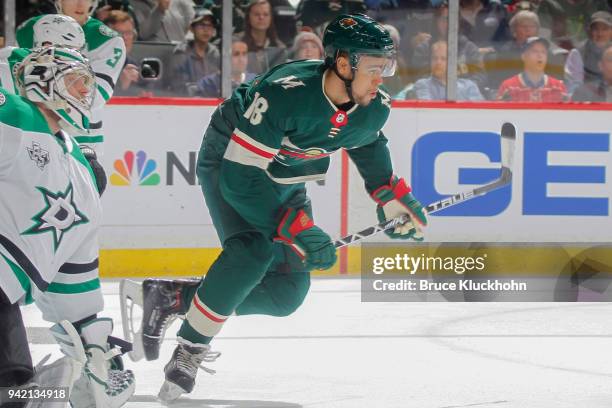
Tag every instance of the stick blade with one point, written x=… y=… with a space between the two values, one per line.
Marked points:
x=508 y=131
x=508 y=137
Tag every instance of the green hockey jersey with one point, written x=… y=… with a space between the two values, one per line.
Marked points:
x=284 y=130
x=10 y=58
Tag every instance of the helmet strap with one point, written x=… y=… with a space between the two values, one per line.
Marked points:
x=347 y=82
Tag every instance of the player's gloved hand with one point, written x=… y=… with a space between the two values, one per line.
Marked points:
x=395 y=200
x=297 y=230
x=97 y=168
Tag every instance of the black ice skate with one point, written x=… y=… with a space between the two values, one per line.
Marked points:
x=161 y=302
x=182 y=368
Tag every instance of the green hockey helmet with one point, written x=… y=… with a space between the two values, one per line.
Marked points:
x=357 y=35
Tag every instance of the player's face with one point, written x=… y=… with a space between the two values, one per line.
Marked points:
x=77 y=9
x=79 y=86
x=368 y=78
x=535 y=58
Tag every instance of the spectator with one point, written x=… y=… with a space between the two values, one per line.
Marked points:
x=434 y=87
x=163 y=20
x=129 y=83
x=307 y=46
x=507 y=60
x=260 y=36
x=582 y=64
x=601 y=90
x=469 y=57
x=565 y=21
x=533 y=85
x=210 y=85
x=194 y=59
x=484 y=22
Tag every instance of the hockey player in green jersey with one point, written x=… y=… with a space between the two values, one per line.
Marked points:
x=50 y=214
x=105 y=50
x=262 y=145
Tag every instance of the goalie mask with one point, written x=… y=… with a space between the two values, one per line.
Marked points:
x=61 y=79
x=58 y=29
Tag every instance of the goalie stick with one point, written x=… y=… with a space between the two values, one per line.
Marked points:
x=508 y=137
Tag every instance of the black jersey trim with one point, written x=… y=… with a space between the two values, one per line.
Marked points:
x=76 y=268
x=24 y=263
x=107 y=78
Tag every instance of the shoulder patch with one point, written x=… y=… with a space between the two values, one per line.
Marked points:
x=2 y=99
x=290 y=81
x=107 y=31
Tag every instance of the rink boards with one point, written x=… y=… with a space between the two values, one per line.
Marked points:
x=156 y=222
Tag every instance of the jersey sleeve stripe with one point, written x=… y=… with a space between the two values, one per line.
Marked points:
x=24 y=263
x=106 y=78
x=244 y=150
x=246 y=140
x=73 y=268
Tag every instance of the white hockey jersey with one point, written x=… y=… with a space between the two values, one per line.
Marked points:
x=50 y=214
x=105 y=50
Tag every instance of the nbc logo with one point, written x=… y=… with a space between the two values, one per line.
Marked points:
x=145 y=170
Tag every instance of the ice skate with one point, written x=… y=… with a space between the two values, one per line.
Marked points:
x=182 y=369
x=161 y=302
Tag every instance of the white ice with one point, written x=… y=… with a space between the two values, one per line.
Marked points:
x=337 y=352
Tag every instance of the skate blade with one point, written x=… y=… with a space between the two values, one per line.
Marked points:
x=170 y=391
x=130 y=293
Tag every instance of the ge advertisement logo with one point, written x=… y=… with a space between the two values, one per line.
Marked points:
x=471 y=158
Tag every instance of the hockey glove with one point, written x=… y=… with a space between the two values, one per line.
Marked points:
x=311 y=243
x=395 y=200
x=98 y=170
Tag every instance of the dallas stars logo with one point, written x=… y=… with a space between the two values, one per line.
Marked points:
x=59 y=215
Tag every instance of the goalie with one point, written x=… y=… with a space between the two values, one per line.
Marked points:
x=50 y=213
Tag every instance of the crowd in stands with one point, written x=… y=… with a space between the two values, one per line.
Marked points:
x=508 y=50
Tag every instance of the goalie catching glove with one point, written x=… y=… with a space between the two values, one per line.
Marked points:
x=311 y=243
x=395 y=200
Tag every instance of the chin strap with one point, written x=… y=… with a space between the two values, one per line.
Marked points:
x=347 y=82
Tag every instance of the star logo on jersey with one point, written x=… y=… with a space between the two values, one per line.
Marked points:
x=348 y=22
x=59 y=215
x=38 y=155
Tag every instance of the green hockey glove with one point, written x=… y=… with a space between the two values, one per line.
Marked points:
x=395 y=200
x=310 y=242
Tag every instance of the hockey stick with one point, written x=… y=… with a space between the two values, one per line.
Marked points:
x=508 y=137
